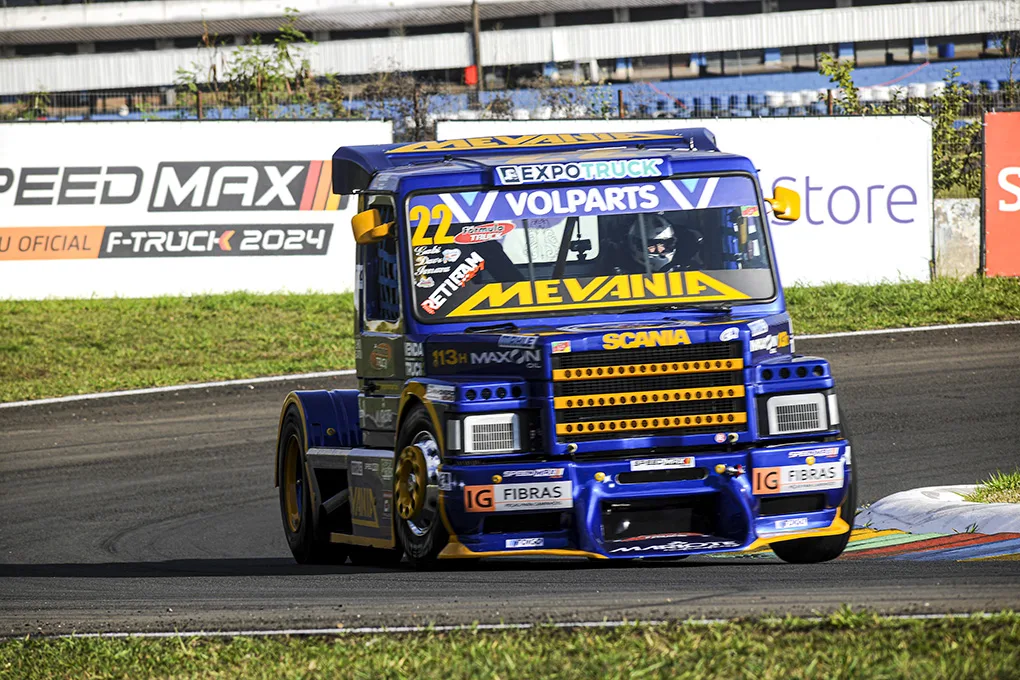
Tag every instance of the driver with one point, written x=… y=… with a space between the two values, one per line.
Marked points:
x=652 y=237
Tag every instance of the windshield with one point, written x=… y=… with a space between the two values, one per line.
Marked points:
x=574 y=250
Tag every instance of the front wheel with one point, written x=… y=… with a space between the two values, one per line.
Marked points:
x=419 y=525
x=814 y=550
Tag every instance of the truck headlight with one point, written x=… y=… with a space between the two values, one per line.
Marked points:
x=792 y=413
x=492 y=433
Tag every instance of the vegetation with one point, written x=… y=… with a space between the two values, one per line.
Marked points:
x=846 y=644
x=1000 y=487
x=60 y=347
x=956 y=142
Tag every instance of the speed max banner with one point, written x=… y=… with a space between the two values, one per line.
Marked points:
x=137 y=209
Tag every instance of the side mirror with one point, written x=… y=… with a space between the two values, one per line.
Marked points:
x=785 y=205
x=368 y=227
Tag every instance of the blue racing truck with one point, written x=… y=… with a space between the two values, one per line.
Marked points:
x=566 y=344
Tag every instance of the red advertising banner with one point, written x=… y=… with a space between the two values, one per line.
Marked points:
x=1002 y=194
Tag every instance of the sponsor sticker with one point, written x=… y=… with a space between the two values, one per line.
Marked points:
x=729 y=334
x=357 y=468
x=770 y=343
x=532 y=358
x=758 y=327
x=792 y=478
x=634 y=168
x=379 y=359
x=425 y=282
x=446 y=481
x=749 y=211
x=652 y=537
x=525 y=542
x=587 y=293
x=720 y=438
x=451 y=255
x=511 y=497
x=561 y=347
x=414 y=369
x=413 y=350
x=827 y=452
x=795 y=523
x=526 y=341
x=430 y=271
x=630 y=340
x=662 y=463
x=481 y=233
x=678 y=546
x=541 y=472
x=441 y=393
x=464 y=272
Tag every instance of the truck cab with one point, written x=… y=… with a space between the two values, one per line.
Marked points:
x=571 y=344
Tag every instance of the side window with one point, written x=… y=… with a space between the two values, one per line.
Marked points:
x=379 y=260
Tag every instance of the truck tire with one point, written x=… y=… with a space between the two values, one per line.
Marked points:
x=813 y=550
x=307 y=546
x=419 y=525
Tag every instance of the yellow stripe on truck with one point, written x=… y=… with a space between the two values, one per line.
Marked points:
x=660 y=423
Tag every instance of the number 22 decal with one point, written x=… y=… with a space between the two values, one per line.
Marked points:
x=440 y=213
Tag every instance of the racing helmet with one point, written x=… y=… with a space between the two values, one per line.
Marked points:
x=657 y=243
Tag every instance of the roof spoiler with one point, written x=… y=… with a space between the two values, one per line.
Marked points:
x=354 y=166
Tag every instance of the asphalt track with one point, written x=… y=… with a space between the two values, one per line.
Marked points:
x=158 y=512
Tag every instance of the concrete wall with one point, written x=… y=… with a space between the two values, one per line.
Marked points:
x=957 y=236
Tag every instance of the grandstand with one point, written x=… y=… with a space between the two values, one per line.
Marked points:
x=723 y=57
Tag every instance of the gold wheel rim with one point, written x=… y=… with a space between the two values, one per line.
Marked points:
x=411 y=480
x=291 y=461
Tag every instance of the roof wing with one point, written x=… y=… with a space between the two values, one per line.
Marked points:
x=354 y=166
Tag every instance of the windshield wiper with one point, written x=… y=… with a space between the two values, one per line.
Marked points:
x=506 y=326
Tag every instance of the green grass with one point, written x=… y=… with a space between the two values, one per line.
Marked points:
x=61 y=347
x=844 y=645
x=1000 y=487
x=842 y=307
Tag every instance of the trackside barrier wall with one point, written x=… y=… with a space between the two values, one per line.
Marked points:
x=1002 y=194
x=865 y=186
x=957 y=237
x=137 y=209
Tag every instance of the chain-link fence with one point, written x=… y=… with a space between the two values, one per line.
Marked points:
x=416 y=108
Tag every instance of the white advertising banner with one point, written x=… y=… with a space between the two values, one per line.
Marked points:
x=865 y=186
x=138 y=209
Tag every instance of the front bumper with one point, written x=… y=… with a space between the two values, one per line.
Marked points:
x=649 y=505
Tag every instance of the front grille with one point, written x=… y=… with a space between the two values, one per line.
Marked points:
x=492 y=433
x=653 y=476
x=691 y=389
x=796 y=413
x=630 y=520
x=788 y=505
x=797 y=417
